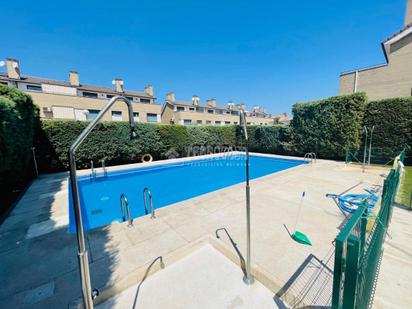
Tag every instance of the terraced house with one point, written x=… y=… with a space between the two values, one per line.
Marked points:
x=59 y=99
x=71 y=99
x=394 y=77
x=209 y=113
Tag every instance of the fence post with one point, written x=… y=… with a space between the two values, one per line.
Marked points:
x=351 y=273
x=338 y=269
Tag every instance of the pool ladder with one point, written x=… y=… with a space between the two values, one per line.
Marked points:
x=310 y=157
x=93 y=173
x=146 y=192
x=124 y=203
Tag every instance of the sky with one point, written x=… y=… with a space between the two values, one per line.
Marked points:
x=267 y=53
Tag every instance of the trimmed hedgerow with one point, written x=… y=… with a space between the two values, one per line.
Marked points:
x=392 y=119
x=109 y=140
x=328 y=126
x=269 y=139
x=18 y=120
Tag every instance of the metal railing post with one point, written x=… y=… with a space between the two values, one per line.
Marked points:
x=81 y=243
x=35 y=161
x=351 y=272
x=248 y=278
x=370 y=146
x=365 y=129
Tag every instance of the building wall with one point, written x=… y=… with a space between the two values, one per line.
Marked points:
x=46 y=100
x=392 y=80
x=205 y=117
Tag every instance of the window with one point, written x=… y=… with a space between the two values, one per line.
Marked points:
x=33 y=87
x=200 y=109
x=116 y=116
x=219 y=111
x=136 y=116
x=151 y=117
x=4 y=83
x=191 y=109
x=235 y=113
x=187 y=122
x=218 y=123
x=208 y=122
x=144 y=100
x=109 y=96
x=92 y=114
x=130 y=98
x=227 y=122
x=89 y=94
x=235 y=122
x=210 y=111
x=199 y=121
x=180 y=108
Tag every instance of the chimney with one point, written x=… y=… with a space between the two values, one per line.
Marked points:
x=230 y=105
x=195 y=100
x=149 y=90
x=170 y=97
x=13 y=68
x=211 y=102
x=241 y=106
x=118 y=84
x=408 y=15
x=74 y=79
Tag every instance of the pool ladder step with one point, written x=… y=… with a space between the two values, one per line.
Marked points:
x=93 y=173
x=124 y=203
x=146 y=192
x=309 y=157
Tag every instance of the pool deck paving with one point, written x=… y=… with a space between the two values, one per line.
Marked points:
x=38 y=257
x=394 y=286
x=192 y=283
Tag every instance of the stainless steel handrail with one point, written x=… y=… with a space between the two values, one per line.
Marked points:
x=104 y=167
x=152 y=210
x=310 y=157
x=125 y=203
x=81 y=243
x=248 y=278
x=92 y=170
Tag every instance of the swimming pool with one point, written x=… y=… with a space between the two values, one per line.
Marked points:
x=168 y=183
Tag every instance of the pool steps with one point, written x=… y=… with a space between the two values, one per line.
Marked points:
x=146 y=192
x=125 y=203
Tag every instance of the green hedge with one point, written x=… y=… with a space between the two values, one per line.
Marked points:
x=328 y=126
x=392 y=119
x=111 y=140
x=269 y=139
x=18 y=123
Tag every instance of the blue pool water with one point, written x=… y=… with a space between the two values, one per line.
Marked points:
x=168 y=183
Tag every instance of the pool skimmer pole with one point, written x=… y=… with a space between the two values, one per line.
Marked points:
x=297 y=235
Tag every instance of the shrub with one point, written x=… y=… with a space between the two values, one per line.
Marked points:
x=109 y=140
x=17 y=126
x=269 y=139
x=328 y=126
x=392 y=119
x=174 y=137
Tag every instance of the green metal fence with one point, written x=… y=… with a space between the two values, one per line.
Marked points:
x=358 y=252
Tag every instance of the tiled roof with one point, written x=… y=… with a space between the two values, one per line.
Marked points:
x=37 y=80
x=234 y=108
